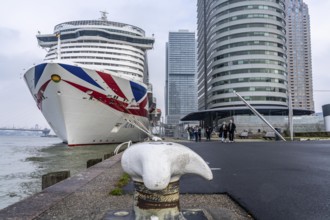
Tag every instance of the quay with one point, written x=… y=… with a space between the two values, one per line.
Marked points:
x=262 y=180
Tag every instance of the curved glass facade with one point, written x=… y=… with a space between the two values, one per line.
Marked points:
x=241 y=47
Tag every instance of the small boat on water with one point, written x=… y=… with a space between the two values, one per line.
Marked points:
x=92 y=87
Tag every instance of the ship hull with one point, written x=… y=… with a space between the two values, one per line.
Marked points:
x=85 y=106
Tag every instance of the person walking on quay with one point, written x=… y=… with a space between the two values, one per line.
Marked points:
x=199 y=133
x=208 y=133
x=223 y=132
x=196 y=133
x=190 y=132
x=231 y=130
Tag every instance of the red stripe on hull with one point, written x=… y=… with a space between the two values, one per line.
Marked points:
x=40 y=95
x=112 y=102
x=112 y=84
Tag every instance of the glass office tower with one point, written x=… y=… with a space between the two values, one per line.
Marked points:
x=242 y=47
x=180 y=91
x=299 y=55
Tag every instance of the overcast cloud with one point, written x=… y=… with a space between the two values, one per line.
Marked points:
x=21 y=20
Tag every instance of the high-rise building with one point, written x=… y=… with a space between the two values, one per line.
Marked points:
x=241 y=47
x=299 y=55
x=180 y=91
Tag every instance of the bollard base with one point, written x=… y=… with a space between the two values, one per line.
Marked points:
x=188 y=214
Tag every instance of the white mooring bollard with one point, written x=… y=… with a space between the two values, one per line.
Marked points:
x=156 y=168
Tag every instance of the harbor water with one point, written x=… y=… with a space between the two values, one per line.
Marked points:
x=24 y=159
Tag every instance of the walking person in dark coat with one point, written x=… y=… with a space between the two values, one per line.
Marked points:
x=231 y=130
x=196 y=133
x=191 y=133
x=208 y=133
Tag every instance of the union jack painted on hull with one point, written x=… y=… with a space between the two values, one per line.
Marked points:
x=87 y=106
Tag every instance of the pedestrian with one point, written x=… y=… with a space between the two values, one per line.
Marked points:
x=188 y=133
x=199 y=134
x=196 y=133
x=191 y=133
x=231 y=130
x=208 y=133
x=223 y=132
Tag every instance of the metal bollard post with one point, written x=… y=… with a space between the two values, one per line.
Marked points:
x=161 y=203
x=156 y=168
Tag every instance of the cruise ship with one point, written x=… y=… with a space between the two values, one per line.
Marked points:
x=92 y=86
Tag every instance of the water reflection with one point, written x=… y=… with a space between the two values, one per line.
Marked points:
x=60 y=157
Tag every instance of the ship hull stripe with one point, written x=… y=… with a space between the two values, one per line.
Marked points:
x=38 y=70
x=79 y=72
x=138 y=91
x=40 y=95
x=112 y=84
x=112 y=102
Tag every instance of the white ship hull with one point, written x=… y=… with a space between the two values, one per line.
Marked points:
x=85 y=106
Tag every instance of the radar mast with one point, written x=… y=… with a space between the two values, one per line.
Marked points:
x=104 y=16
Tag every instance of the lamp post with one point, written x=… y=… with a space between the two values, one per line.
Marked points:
x=161 y=126
x=290 y=116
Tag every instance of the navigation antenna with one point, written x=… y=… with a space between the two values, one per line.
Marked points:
x=104 y=15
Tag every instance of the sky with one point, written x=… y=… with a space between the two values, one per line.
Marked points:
x=21 y=20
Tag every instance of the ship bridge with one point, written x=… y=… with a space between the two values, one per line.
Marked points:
x=49 y=40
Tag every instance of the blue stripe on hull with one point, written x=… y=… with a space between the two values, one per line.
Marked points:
x=79 y=72
x=38 y=70
x=138 y=91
